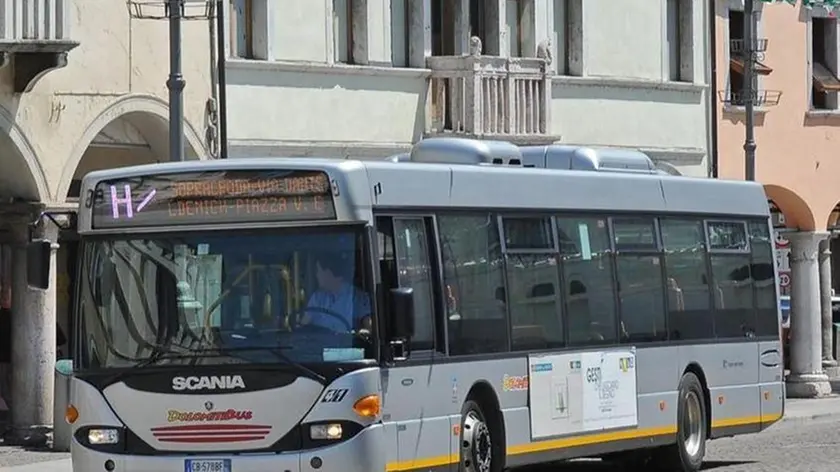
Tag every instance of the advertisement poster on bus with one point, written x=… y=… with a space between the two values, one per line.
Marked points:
x=782 y=262
x=583 y=392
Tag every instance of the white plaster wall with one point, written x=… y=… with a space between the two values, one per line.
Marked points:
x=670 y=118
x=273 y=104
x=301 y=103
x=298 y=30
x=623 y=38
x=624 y=97
x=121 y=66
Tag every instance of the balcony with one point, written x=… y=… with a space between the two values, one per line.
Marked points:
x=34 y=38
x=491 y=98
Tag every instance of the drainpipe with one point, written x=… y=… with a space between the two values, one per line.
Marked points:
x=213 y=104
x=749 y=89
x=714 y=118
x=222 y=80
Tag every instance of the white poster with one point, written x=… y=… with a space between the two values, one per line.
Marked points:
x=609 y=393
x=555 y=395
x=582 y=392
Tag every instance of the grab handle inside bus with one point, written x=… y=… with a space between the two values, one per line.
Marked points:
x=402 y=313
x=38 y=254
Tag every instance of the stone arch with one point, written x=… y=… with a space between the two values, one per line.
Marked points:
x=150 y=116
x=797 y=212
x=833 y=219
x=22 y=171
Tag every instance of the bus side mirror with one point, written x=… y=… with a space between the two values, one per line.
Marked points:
x=38 y=264
x=402 y=312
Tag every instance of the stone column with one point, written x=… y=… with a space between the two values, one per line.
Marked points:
x=419 y=32
x=462 y=27
x=33 y=345
x=828 y=362
x=807 y=379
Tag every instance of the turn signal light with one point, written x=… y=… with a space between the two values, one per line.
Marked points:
x=71 y=414
x=368 y=407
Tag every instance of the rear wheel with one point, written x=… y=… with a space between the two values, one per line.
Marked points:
x=692 y=430
x=478 y=453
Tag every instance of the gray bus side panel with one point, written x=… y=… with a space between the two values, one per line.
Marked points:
x=423 y=404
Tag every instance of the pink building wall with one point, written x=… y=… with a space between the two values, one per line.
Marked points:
x=798 y=154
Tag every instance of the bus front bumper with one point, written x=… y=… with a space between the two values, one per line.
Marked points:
x=363 y=453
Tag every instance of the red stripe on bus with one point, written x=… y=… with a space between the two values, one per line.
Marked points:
x=211 y=427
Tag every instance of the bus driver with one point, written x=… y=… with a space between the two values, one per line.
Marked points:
x=337 y=297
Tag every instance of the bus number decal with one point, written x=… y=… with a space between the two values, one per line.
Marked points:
x=335 y=395
x=593 y=375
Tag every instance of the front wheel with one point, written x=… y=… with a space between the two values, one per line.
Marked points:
x=477 y=451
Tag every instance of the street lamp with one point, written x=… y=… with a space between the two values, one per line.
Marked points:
x=175 y=11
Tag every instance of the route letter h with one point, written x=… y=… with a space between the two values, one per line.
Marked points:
x=126 y=200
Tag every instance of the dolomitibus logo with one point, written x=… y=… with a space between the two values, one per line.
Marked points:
x=178 y=416
x=208 y=382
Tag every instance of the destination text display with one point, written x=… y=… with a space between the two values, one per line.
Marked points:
x=213 y=197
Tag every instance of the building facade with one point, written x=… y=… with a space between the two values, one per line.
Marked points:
x=82 y=87
x=797 y=129
x=367 y=78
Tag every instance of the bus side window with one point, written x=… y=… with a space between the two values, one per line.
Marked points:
x=732 y=282
x=689 y=297
x=472 y=275
x=761 y=248
x=588 y=279
x=404 y=261
x=641 y=293
x=533 y=283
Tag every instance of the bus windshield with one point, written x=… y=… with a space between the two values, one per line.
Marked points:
x=300 y=296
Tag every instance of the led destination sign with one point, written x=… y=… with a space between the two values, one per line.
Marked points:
x=213 y=197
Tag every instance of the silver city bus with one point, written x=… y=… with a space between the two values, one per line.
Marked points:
x=471 y=307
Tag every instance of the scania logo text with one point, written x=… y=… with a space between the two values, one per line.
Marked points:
x=208 y=382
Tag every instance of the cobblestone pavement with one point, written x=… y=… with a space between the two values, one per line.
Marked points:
x=15 y=456
x=791 y=446
x=807 y=441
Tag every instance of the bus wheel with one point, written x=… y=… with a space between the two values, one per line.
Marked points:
x=476 y=441
x=687 y=454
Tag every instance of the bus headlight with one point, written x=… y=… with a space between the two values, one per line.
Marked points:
x=325 y=431
x=103 y=436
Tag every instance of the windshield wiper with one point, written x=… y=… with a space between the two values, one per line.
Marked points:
x=160 y=353
x=277 y=351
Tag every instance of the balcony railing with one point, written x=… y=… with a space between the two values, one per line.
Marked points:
x=33 y=21
x=36 y=32
x=488 y=96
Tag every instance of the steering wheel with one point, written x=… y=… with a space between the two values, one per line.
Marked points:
x=334 y=315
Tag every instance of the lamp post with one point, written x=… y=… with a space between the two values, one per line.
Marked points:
x=175 y=11
x=176 y=82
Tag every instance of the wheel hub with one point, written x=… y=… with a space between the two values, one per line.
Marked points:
x=693 y=424
x=476 y=445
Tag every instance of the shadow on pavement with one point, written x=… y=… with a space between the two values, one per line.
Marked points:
x=711 y=465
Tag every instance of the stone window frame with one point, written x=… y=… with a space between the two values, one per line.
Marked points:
x=568 y=58
x=687 y=30
x=497 y=42
x=262 y=13
x=258 y=15
x=832 y=102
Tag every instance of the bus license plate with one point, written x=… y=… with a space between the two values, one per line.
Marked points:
x=207 y=465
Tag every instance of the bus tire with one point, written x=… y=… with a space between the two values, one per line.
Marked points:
x=477 y=448
x=692 y=430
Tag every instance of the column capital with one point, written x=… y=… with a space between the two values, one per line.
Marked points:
x=805 y=245
x=825 y=249
x=813 y=237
